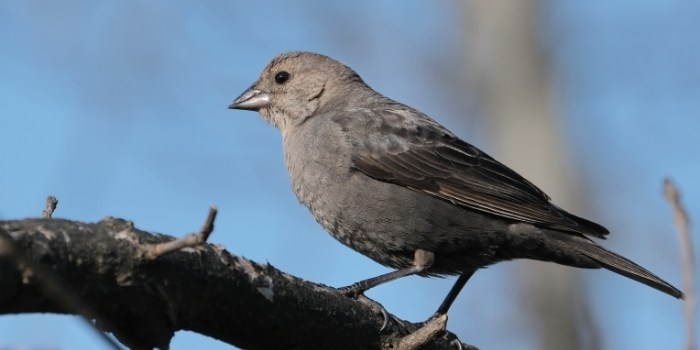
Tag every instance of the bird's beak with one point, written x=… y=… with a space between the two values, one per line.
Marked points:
x=251 y=99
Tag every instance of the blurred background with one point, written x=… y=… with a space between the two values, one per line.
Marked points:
x=120 y=109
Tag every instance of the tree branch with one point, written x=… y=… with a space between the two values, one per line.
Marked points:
x=51 y=203
x=204 y=289
x=683 y=224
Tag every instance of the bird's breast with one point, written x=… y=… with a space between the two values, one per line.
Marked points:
x=318 y=165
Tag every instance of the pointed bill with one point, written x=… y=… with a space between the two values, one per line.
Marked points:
x=251 y=99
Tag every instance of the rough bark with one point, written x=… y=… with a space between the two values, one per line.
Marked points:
x=205 y=289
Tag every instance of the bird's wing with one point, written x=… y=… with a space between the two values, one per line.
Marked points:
x=423 y=156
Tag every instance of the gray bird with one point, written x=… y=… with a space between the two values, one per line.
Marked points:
x=393 y=184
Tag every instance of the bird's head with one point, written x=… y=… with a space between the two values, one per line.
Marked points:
x=296 y=85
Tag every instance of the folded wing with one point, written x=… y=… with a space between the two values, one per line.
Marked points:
x=425 y=157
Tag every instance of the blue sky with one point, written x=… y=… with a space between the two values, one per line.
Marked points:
x=120 y=109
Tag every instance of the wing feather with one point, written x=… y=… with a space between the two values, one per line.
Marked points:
x=426 y=157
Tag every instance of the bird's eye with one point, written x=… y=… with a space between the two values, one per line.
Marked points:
x=281 y=77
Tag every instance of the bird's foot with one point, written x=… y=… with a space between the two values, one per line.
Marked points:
x=356 y=292
x=376 y=307
x=457 y=344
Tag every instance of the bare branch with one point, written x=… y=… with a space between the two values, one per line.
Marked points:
x=54 y=288
x=206 y=290
x=683 y=224
x=424 y=335
x=51 y=203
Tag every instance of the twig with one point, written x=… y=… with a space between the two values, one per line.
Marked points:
x=683 y=224
x=51 y=203
x=51 y=285
x=191 y=240
x=424 y=335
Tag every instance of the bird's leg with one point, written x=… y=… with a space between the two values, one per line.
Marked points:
x=422 y=260
x=452 y=295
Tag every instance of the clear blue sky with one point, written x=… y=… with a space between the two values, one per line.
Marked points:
x=120 y=109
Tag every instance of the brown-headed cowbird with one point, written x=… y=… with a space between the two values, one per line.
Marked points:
x=396 y=186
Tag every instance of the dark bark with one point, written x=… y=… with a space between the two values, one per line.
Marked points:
x=204 y=289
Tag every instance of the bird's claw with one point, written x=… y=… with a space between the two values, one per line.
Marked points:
x=456 y=343
x=375 y=306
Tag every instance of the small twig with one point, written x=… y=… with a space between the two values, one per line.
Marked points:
x=424 y=335
x=191 y=240
x=683 y=224
x=51 y=203
x=51 y=285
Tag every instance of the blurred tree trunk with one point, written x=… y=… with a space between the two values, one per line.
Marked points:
x=514 y=90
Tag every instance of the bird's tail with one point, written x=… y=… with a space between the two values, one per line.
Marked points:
x=619 y=264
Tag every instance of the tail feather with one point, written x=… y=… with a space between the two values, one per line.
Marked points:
x=619 y=264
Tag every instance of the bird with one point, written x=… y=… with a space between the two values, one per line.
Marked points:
x=398 y=187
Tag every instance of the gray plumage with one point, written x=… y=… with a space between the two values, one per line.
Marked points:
x=389 y=182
